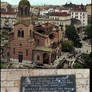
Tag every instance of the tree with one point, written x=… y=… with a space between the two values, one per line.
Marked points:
x=88 y=31
x=90 y=21
x=78 y=65
x=72 y=34
x=67 y=46
x=87 y=60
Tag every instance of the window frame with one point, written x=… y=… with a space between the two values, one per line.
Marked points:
x=20 y=33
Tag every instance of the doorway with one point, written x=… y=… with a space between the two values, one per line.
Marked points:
x=20 y=57
x=45 y=58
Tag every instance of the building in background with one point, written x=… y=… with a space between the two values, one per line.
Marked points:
x=8 y=19
x=89 y=9
x=59 y=19
x=6 y=7
x=81 y=15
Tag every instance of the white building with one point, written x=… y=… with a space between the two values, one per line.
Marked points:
x=56 y=18
x=64 y=10
x=80 y=15
x=8 y=19
x=45 y=11
x=5 y=7
x=63 y=19
x=34 y=10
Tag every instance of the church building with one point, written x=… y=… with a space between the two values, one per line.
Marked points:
x=30 y=43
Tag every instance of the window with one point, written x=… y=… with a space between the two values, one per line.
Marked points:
x=30 y=33
x=38 y=57
x=80 y=13
x=76 y=13
x=38 y=41
x=20 y=33
x=20 y=44
x=21 y=11
x=76 y=16
x=83 y=16
x=26 y=52
x=83 y=20
x=14 y=51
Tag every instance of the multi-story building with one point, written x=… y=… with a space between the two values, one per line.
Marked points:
x=45 y=11
x=8 y=19
x=40 y=44
x=67 y=10
x=81 y=15
x=56 y=18
x=34 y=10
x=89 y=9
x=5 y=7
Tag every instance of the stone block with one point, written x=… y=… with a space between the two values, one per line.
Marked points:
x=42 y=72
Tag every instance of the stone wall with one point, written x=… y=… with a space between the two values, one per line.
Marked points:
x=10 y=78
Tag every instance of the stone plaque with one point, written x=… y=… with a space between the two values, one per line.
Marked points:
x=61 y=83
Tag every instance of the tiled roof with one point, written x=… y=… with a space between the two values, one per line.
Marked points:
x=45 y=29
x=8 y=13
x=79 y=10
x=59 y=14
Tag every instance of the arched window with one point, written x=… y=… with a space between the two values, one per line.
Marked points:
x=21 y=11
x=19 y=33
x=22 y=32
x=30 y=33
x=14 y=51
x=26 y=11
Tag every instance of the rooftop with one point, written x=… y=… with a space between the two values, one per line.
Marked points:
x=43 y=49
x=46 y=29
x=8 y=13
x=59 y=14
x=79 y=10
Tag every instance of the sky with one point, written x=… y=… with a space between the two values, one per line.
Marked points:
x=49 y=2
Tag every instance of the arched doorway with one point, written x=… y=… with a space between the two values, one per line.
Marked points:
x=53 y=57
x=20 y=57
x=45 y=58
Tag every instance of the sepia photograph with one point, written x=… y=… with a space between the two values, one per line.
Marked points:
x=45 y=45
x=45 y=34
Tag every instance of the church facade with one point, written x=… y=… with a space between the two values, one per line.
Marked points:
x=29 y=43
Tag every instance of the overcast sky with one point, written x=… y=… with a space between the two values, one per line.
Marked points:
x=49 y=2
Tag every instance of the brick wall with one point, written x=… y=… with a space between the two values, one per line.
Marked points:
x=10 y=78
x=25 y=45
x=42 y=40
x=21 y=44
